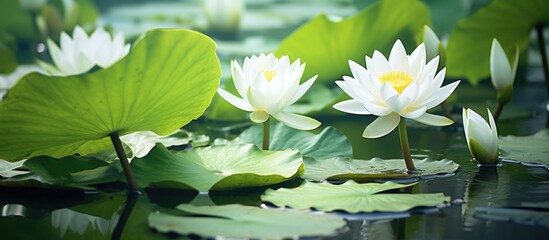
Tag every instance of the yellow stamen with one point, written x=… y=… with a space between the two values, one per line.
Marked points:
x=398 y=80
x=269 y=74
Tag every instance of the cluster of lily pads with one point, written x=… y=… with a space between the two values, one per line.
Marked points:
x=101 y=102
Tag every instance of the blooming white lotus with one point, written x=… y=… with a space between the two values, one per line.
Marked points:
x=79 y=54
x=482 y=139
x=502 y=71
x=269 y=85
x=402 y=86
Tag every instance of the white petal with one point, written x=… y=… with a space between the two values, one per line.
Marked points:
x=434 y=120
x=494 y=147
x=381 y=126
x=302 y=89
x=377 y=109
x=398 y=58
x=416 y=61
x=235 y=101
x=297 y=121
x=259 y=116
x=465 y=117
x=257 y=99
x=500 y=68
x=379 y=64
x=239 y=80
x=358 y=70
x=415 y=114
x=351 y=106
x=441 y=94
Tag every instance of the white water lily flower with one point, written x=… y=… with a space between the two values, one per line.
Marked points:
x=502 y=70
x=223 y=15
x=402 y=86
x=482 y=139
x=80 y=53
x=269 y=85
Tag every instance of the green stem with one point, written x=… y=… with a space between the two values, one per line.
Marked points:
x=130 y=204
x=543 y=53
x=128 y=172
x=403 y=133
x=497 y=113
x=266 y=134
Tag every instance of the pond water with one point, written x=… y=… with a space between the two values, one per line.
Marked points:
x=51 y=214
x=54 y=214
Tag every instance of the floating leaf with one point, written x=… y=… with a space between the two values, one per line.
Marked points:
x=220 y=167
x=155 y=88
x=516 y=215
x=237 y=221
x=330 y=142
x=9 y=169
x=351 y=197
x=327 y=45
x=343 y=168
x=65 y=173
x=532 y=149
x=142 y=142
x=468 y=52
x=8 y=60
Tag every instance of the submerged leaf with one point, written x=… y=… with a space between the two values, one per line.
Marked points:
x=342 y=168
x=326 y=45
x=468 y=52
x=155 y=88
x=237 y=221
x=65 y=173
x=529 y=150
x=351 y=197
x=516 y=215
x=220 y=167
x=329 y=143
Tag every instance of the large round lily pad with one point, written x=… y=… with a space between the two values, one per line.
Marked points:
x=351 y=197
x=244 y=222
x=326 y=45
x=168 y=79
x=468 y=52
x=529 y=150
x=221 y=167
x=328 y=143
x=343 y=168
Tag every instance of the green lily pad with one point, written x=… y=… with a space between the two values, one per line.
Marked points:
x=328 y=143
x=142 y=142
x=516 y=215
x=343 y=168
x=327 y=45
x=221 y=167
x=9 y=169
x=65 y=173
x=468 y=51
x=529 y=150
x=352 y=197
x=7 y=58
x=244 y=222
x=154 y=88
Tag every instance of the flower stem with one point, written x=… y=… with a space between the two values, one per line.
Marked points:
x=543 y=53
x=266 y=134
x=497 y=113
x=403 y=133
x=128 y=172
